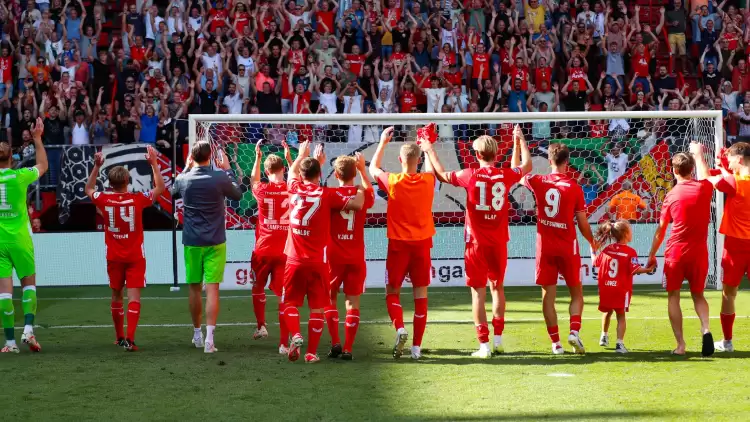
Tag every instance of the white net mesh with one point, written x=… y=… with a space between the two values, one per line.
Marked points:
x=623 y=165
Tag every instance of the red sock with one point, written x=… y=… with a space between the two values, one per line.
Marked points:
x=554 y=334
x=727 y=322
x=291 y=317
x=575 y=323
x=483 y=333
x=314 y=332
x=498 y=325
x=117 y=319
x=259 y=308
x=134 y=313
x=420 y=320
x=350 y=328
x=284 y=334
x=393 y=302
x=332 y=319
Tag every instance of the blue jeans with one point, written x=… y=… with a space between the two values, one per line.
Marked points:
x=386 y=51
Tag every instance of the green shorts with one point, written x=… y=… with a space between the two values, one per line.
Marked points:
x=18 y=256
x=205 y=263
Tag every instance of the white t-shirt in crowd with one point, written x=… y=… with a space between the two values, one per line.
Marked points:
x=616 y=166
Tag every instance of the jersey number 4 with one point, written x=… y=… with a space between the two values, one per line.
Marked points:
x=126 y=214
x=498 y=196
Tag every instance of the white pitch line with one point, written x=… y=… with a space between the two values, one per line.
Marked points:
x=432 y=292
x=370 y=322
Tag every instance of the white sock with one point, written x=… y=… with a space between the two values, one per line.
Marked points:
x=10 y=343
x=498 y=339
x=28 y=329
x=604 y=334
x=210 y=333
x=620 y=341
x=196 y=332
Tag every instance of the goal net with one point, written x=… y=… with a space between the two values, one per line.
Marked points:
x=621 y=159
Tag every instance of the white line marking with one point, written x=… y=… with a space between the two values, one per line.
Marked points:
x=372 y=322
x=560 y=375
x=432 y=292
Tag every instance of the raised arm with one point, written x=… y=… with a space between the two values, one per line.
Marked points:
x=434 y=162
x=303 y=152
x=158 y=179
x=41 y=154
x=520 y=148
x=385 y=137
x=255 y=174
x=90 y=188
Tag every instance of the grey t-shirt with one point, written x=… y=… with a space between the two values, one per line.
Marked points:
x=203 y=191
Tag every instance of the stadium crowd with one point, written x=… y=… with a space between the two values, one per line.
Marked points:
x=104 y=72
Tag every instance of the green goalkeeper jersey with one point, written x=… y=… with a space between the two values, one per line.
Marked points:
x=14 y=210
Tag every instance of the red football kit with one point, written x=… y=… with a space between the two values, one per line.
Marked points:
x=486 y=229
x=735 y=226
x=688 y=207
x=616 y=265
x=346 y=246
x=268 y=258
x=558 y=199
x=306 y=273
x=123 y=236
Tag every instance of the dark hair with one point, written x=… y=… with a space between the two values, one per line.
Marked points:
x=559 y=154
x=201 y=151
x=610 y=231
x=683 y=164
x=309 y=168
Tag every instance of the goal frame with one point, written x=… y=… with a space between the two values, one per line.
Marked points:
x=390 y=119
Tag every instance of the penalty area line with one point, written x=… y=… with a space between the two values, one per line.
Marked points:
x=370 y=322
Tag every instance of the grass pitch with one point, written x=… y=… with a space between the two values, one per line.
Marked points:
x=81 y=376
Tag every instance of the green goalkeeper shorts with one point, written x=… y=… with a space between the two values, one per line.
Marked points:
x=18 y=255
x=205 y=263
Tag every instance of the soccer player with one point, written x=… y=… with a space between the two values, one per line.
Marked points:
x=268 y=257
x=123 y=237
x=486 y=229
x=16 y=247
x=410 y=231
x=735 y=226
x=559 y=207
x=306 y=273
x=688 y=207
x=203 y=192
x=346 y=254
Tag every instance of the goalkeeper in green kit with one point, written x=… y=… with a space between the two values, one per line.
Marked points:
x=16 y=248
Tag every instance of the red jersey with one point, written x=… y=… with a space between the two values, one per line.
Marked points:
x=392 y=16
x=734 y=221
x=327 y=19
x=310 y=220
x=453 y=77
x=356 y=61
x=138 y=54
x=300 y=101
x=506 y=61
x=6 y=68
x=480 y=60
x=273 y=218
x=296 y=58
x=521 y=73
x=577 y=74
x=347 y=242
x=486 y=202
x=408 y=101
x=241 y=20
x=543 y=74
x=123 y=234
x=640 y=64
x=688 y=207
x=217 y=18
x=558 y=199
x=419 y=77
x=398 y=57
x=616 y=265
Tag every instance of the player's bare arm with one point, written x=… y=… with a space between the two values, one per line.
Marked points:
x=158 y=179
x=661 y=230
x=255 y=174
x=287 y=153
x=701 y=167
x=356 y=203
x=37 y=129
x=303 y=152
x=377 y=159
x=585 y=228
x=362 y=169
x=433 y=161
x=320 y=154
x=520 y=148
x=90 y=188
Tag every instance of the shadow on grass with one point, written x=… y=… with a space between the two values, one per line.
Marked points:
x=557 y=415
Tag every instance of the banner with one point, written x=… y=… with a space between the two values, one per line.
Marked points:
x=77 y=163
x=445 y=273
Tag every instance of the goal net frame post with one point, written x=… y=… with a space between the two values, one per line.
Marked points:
x=691 y=119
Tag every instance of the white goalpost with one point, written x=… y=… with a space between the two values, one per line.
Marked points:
x=611 y=152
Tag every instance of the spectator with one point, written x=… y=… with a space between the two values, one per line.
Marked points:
x=626 y=205
x=676 y=21
x=591 y=181
x=617 y=162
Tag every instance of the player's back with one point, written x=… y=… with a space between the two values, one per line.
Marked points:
x=123 y=218
x=486 y=202
x=273 y=218
x=410 y=196
x=310 y=220
x=688 y=207
x=347 y=241
x=14 y=209
x=558 y=199
x=616 y=264
x=735 y=223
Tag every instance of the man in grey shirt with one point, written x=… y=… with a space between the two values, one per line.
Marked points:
x=203 y=191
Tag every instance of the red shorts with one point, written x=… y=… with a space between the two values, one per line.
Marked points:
x=614 y=300
x=548 y=268
x=734 y=266
x=127 y=274
x=485 y=263
x=351 y=276
x=412 y=258
x=692 y=269
x=306 y=279
x=264 y=267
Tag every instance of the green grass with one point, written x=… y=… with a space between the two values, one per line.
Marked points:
x=81 y=376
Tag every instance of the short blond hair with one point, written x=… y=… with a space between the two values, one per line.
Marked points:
x=410 y=152
x=273 y=164
x=486 y=147
x=345 y=167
